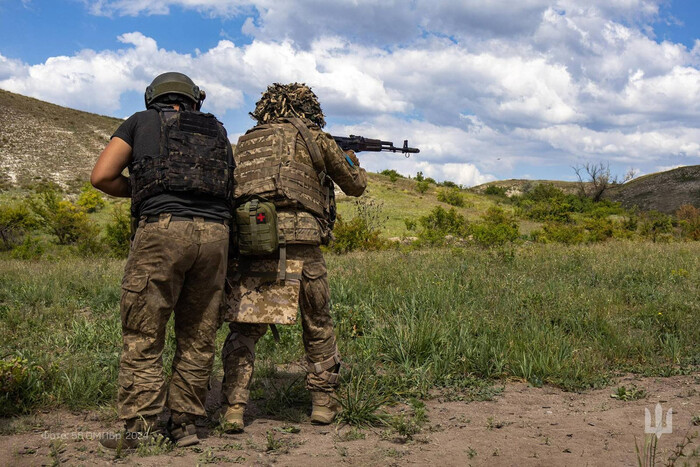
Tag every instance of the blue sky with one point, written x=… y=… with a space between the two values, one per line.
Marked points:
x=487 y=90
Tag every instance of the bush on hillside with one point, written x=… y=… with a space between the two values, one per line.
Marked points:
x=362 y=232
x=689 y=221
x=496 y=190
x=29 y=249
x=90 y=199
x=495 y=229
x=354 y=235
x=440 y=223
x=118 y=232
x=451 y=196
x=554 y=232
x=61 y=218
x=392 y=174
x=655 y=225
x=15 y=221
x=422 y=186
x=547 y=203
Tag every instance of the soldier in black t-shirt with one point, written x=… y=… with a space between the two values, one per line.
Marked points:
x=180 y=175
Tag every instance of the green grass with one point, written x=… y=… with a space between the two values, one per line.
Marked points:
x=401 y=201
x=407 y=323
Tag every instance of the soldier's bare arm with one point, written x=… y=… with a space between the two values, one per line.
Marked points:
x=343 y=167
x=107 y=173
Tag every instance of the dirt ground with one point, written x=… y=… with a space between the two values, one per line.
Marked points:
x=523 y=426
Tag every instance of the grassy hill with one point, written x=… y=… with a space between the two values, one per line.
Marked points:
x=401 y=200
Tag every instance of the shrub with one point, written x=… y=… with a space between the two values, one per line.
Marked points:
x=560 y=233
x=495 y=190
x=439 y=223
x=90 y=199
x=20 y=381
x=61 y=218
x=419 y=177
x=689 y=221
x=29 y=249
x=552 y=210
x=544 y=192
x=422 y=186
x=118 y=232
x=654 y=224
x=410 y=223
x=88 y=242
x=600 y=229
x=430 y=180
x=496 y=228
x=15 y=220
x=362 y=232
x=392 y=174
x=451 y=196
x=354 y=235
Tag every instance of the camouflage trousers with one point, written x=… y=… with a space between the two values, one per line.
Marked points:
x=175 y=266
x=323 y=361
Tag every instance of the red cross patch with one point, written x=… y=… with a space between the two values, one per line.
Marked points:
x=260 y=218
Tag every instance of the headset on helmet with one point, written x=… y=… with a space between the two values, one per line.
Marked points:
x=174 y=83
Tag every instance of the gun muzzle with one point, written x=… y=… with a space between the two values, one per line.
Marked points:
x=408 y=151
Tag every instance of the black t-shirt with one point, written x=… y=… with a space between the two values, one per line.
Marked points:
x=141 y=131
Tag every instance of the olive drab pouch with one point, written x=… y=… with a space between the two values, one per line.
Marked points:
x=255 y=294
x=256 y=222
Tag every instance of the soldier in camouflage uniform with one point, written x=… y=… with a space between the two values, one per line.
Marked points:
x=180 y=165
x=289 y=160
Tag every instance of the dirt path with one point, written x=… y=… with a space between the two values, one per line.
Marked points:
x=523 y=426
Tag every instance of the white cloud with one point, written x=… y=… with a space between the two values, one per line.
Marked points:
x=482 y=88
x=635 y=146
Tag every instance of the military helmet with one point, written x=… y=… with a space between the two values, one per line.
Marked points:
x=174 y=83
x=288 y=100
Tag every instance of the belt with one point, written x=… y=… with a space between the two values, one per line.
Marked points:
x=151 y=219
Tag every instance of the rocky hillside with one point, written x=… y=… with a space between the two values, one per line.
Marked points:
x=662 y=191
x=45 y=142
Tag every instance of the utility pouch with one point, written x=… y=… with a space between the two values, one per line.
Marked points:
x=256 y=223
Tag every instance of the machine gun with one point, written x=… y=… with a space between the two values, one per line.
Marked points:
x=360 y=143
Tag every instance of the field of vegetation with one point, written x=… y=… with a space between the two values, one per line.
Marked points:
x=585 y=291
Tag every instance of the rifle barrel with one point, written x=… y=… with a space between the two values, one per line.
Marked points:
x=360 y=143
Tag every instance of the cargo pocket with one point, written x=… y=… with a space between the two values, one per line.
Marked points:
x=314 y=299
x=313 y=270
x=132 y=299
x=126 y=380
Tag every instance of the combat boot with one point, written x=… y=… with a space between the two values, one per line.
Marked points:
x=324 y=407
x=182 y=430
x=232 y=420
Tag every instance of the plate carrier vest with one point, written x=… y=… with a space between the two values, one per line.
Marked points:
x=193 y=158
x=268 y=166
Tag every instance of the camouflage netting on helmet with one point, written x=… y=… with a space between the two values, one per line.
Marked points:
x=288 y=100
